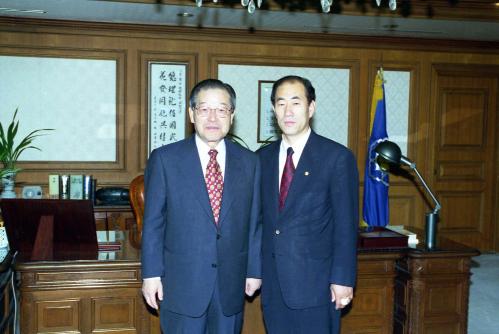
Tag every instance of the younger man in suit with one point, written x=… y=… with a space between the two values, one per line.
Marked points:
x=201 y=240
x=310 y=218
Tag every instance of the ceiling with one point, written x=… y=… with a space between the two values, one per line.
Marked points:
x=468 y=20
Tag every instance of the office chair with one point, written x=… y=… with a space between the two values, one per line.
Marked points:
x=137 y=203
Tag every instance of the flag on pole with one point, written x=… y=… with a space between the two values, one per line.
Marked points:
x=375 y=211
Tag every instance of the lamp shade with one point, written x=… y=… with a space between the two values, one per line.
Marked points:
x=389 y=153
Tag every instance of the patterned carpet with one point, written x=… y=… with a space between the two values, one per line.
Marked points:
x=484 y=295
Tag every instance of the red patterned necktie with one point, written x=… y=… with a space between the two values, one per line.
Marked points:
x=287 y=177
x=214 y=184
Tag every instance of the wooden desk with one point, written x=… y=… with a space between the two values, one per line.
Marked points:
x=407 y=291
x=432 y=289
x=398 y=291
x=84 y=296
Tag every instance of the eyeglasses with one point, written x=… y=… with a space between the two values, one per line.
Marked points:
x=221 y=111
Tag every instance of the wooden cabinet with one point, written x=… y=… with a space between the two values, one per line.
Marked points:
x=403 y=291
x=101 y=296
x=432 y=290
x=372 y=309
x=114 y=218
x=7 y=314
x=407 y=291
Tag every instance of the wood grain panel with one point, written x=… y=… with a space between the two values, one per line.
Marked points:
x=463 y=114
x=444 y=298
x=253 y=317
x=461 y=211
x=402 y=210
x=57 y=316
x=431 y=293
x=372 y=307
x=444 y=328
x=452 y=83
x=73 y=277
x=371 y=301
x=86 y=309
x=114 y=313
x=452 y=170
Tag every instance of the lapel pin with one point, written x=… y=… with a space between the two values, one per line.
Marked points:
x=307 y=173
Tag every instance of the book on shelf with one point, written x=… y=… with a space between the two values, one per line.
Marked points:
x=54 y=186
x=109 y=246
x=64 y=186
x=76 y=187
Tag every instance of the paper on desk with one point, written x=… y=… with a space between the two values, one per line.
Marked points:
x=413 y=238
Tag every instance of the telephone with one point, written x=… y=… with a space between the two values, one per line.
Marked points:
x=112 y=196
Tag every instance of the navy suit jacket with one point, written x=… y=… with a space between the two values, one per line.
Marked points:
x=312 y=241
x=180 y=241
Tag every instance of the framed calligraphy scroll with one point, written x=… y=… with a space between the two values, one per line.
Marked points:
x=268 y=129
x=167 y=103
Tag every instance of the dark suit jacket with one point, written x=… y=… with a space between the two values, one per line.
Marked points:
x=180 y=241
x=313 y=239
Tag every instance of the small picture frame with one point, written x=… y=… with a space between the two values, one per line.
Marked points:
x=268 y=130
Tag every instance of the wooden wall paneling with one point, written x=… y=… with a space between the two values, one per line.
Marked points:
x=403 y=209
x=464 y=104
x=413 y=67
x=405 y=204
x=463 y=216
x=299 y=61
x=209 y=47
x=146 y=56
x=37 y=172
x=403 y=197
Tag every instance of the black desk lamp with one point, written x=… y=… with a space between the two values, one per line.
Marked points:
x=389 y=155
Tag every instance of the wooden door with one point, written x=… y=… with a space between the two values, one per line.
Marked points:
x=464 y=108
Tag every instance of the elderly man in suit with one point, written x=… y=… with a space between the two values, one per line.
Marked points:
x=310 y=219
x=201 y=241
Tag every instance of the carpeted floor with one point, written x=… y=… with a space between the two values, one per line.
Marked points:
x=483 y=317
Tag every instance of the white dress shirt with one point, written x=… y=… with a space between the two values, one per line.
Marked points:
x=297 y=149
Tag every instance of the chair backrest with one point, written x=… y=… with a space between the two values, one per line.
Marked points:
x=137 y=201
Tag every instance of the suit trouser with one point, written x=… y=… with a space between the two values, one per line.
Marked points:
x=213 y=321
x=280 y=319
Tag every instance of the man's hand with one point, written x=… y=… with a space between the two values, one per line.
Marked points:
x=341 y=294
x=252 y=284
x=152 y=289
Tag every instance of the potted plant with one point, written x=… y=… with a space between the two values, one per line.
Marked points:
x=9 y=153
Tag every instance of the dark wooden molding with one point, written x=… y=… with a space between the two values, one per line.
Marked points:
x=238 y=35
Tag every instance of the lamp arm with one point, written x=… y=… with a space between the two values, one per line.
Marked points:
x=437 y=203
